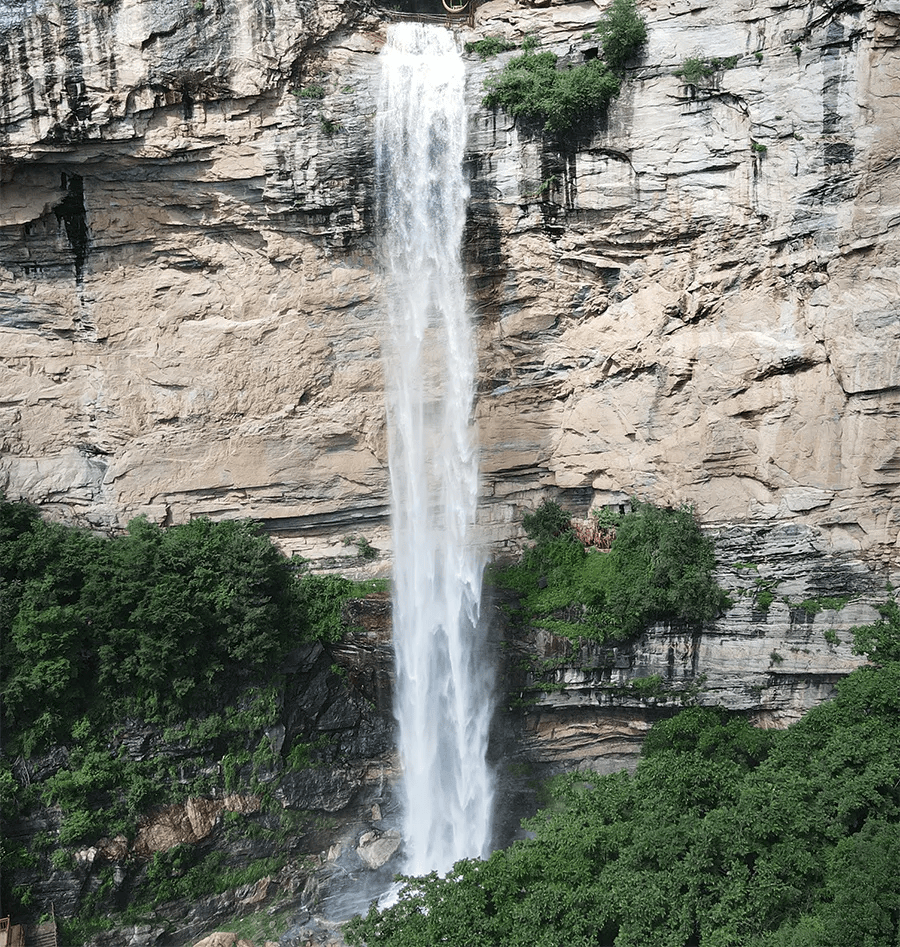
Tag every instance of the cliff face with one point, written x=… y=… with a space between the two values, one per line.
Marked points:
x=704 y=310
x=693 y=299
x=777 y=652
x=186 y=328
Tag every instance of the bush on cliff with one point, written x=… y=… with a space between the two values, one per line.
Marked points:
x=532 y=87
x=622 y=31
x=660 y=566
x=157 y=624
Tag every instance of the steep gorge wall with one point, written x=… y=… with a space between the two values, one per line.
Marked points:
x=705 y=309
x=692 y=299
x=210 y=346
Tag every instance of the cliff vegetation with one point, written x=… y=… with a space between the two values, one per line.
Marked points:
x=610 y=579
x=161 y=691
x=534 y=87
x=724 y=835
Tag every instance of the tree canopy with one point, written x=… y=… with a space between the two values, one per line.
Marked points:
x=147 y=624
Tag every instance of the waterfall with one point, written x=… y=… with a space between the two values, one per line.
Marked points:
x=443 y=687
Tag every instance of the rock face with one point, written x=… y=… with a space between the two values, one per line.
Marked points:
x=702 y=312
x=777 y=652
x=691 y=299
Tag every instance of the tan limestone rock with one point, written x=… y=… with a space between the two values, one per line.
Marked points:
x=691 y=301
x=375 y=848
x=187 y=822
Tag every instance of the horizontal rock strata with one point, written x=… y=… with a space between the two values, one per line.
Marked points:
x=689 y=299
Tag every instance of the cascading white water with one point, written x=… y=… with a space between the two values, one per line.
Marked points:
x=443 y=702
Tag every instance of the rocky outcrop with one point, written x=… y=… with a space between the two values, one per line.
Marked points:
x=182 y=824
x=777 y=652
x=691 y=299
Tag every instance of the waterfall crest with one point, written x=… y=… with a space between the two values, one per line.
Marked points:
x=443 y=689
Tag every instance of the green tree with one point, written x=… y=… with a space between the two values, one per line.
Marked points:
x=532 y=87
x=723 y=837
x=880 y=642
x=660 y=566
x=622 y=31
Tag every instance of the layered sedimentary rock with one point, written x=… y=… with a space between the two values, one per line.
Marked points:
x=778 y=651
x=692 y=298
x=705 y=307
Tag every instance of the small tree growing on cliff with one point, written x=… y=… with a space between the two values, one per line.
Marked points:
x=531 y=86
x=622 y=32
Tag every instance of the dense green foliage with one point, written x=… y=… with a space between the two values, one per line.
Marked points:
x=725 y=836
x=881 y=641
x=489 y=46
x=178 y=632
x=147 y=624
x=141 y=625
x=532 y=87
x=660 y=566
x=622 y=32
x=185 y=871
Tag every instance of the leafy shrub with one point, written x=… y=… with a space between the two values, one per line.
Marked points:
x=764 y=599
x=697 y=70
x=62 y=860
x=647 y=686
x=694 y=71
x=547 y=522
x=659 y=566
x=880 y=642
x=489 y=46
x=812 y=606
x=311 y=92
x=329 y=126
x=622 y=32
x=321 y=601
x=532 y=87
x=365 y=549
